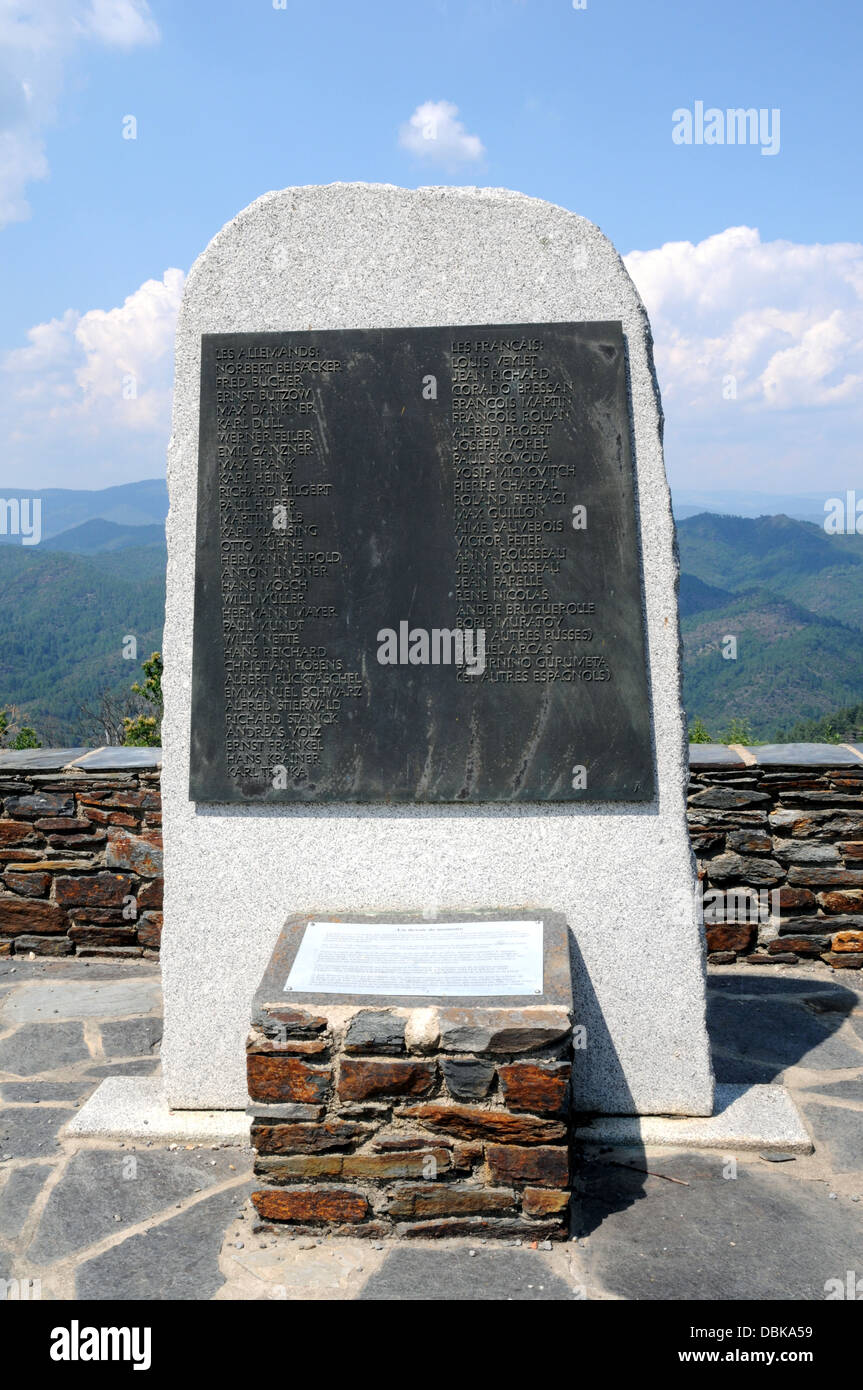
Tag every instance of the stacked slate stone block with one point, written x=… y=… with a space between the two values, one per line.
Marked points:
x=424 y=1122
x=81 y=852
x=780 y=827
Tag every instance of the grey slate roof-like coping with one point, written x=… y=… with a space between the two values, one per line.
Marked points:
x=717 y=755
x=87 y=759
x=702 y=756
x=713 y=755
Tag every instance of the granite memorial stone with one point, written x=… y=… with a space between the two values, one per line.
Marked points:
x=437 y=789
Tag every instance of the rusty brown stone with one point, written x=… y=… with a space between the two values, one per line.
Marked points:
x=750 y=841
x=43 y=946
x=286 y=1078
x=538 y=1166
x=296 y=1047
x=472 y=1122
x=838 y=902
x=464 y=1156
x=141 y=852
x=110 y=915
x=71 y=823
x=730 y=936
x=307 y=1138
x=428 y=1164
x=847 y=941
x=13 y=833
x=800 y=945
x=703 y=841
x=96 y=890
x=86 y=934
x=814 y=876
x=36 y=861
x=123 y=801
x=77 y=842
x=101 y=817
x=544 y=1201
x=361 y=1078
x=311 y=1204
x=448 y=1199
x=852 y=849
x=31 y=885
x=399 y=1143
x=795 y=899
x=307 y=1166
x=843 y=960
x=150 y=894
x=150 y=930
x=535 y=1086
x=19 y=915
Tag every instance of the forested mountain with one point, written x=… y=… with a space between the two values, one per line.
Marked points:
x=789 y=595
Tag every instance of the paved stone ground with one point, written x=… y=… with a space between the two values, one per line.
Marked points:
x=138 y=1221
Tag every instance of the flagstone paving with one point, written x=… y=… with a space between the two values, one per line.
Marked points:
x=135 y=1220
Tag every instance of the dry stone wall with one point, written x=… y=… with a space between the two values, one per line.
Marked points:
x=80 y=852
x=777 y=832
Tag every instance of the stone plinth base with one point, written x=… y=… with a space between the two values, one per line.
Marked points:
x=746 y=1117
x=425 y=1122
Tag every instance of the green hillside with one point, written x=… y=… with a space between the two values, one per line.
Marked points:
x=99 y=536
x=792 y=596
x=792 y=559
x=63 y=619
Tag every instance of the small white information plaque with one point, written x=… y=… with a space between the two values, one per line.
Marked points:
x=419 y=958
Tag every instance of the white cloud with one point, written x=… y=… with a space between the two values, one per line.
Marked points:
x=785 y=321
x=88 y=400
x=125 y=23
x=38 y=40
x=434 y=132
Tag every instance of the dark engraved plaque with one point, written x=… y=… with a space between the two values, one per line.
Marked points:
x=417 y=569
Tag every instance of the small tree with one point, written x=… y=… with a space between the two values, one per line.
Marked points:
x=107 y=720
x=698 y=733
x=26 y=738
x=14 y=734
x=145 y=730
x=739 y=731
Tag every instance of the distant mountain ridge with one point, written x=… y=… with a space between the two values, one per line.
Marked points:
x=63 y=509
x=97 y=536
x=792 y=598
x=63 y=623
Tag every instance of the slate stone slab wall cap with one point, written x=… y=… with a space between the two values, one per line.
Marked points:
x=359 y=257
x=117 y=759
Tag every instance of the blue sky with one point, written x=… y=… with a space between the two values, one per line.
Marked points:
x=572 y=105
